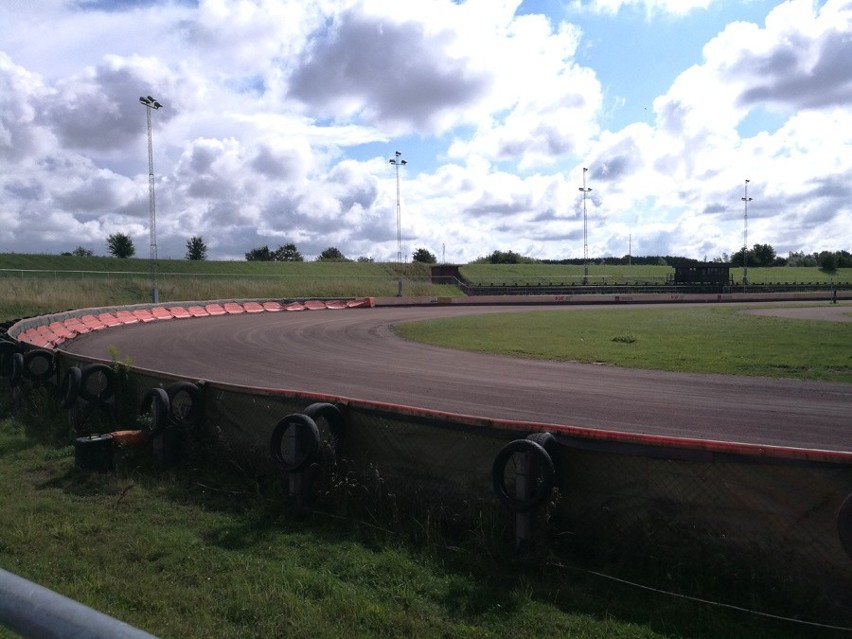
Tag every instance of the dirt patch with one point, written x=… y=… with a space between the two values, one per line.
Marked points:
x=833 y=313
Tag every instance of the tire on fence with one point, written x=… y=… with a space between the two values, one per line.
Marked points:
x=156 y=404
x=179 y=414
x=7 y=349
x=334 y=419
x=39 y=365
x=90 y=374
x=844 y=525
x=69 y=390
x=541 y=460
x=307 y=442
x=16 y=370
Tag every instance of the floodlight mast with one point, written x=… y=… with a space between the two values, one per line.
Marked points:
x=745 y=200
x=152 y=105
x=585 y=231
x=397 y=163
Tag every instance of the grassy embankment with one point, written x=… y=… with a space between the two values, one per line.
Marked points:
x=569 y=274
x=31 y=284
x=206 y=552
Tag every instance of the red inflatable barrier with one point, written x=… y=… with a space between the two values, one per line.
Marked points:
x=109 y=319
x=126 y=317
x=272 y=307
x=61 y=330
x=93 y=323
x=198 y=311
x=232 y=308
x=215 y=309
x=179 y=312
x=161 y=313
x=143 y=315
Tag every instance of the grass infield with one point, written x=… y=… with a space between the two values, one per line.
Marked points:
x=688 y=339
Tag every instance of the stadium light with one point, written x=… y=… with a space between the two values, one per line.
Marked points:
x=585 y=231
x=745 y=200
x=397 y=163
x=151 y=104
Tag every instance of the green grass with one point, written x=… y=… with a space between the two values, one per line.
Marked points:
x=570 y=274
x=692 y=339
x=44 y=283
x=202 y=553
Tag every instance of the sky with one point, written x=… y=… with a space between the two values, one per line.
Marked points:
x=279 y=119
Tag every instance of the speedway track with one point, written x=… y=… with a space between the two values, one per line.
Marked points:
x=355 y=354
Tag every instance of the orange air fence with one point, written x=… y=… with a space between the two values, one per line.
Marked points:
x=48 y=332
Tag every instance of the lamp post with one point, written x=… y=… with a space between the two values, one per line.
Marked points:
x=746 y=199
x=151 y=104
x=397 y=163
x=585 y=231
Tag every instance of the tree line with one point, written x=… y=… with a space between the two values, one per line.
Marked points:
x=121 y=245
x=760 y=255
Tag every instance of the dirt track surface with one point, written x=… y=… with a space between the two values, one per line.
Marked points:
x=355 y=354
x=833 y=313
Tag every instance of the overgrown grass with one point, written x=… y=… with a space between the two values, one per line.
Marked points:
x=694 y=339
x=29 y=293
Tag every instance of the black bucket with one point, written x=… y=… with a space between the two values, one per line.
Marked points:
x=94 y=452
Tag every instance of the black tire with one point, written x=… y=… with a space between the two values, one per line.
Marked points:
x=844 y=525
x=104 y=393
x=308 y=442
x=16 y=371
x=7 y=349
x=334 y=419
x=542 y=489
x=69 y=391
x=39 y=365
x=156 y=404
x=189 y=418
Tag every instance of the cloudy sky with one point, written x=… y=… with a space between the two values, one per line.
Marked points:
x=280 y=117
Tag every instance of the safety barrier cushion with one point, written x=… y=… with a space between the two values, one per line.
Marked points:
x=53 y=333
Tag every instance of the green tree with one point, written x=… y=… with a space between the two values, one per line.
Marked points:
x=762 y=255
x=196 y=249
x=288 y=253
x=81 y=252
x=120 y=245
x=331 y=254
x=827 y=261
x=259 y=254
x=504 y=257
x=424 y=256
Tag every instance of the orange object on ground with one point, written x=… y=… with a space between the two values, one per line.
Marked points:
x=131 y=437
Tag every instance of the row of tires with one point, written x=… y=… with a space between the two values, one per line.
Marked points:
x=302 y=450
x=180 y=405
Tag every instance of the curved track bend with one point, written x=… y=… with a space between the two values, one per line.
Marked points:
x=355 y=354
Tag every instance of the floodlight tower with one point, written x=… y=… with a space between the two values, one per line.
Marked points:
x=151 y=104
x=746 y=199
x=398 y=163
x=585 y=230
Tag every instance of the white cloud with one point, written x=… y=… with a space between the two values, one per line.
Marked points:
x=279 y=118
